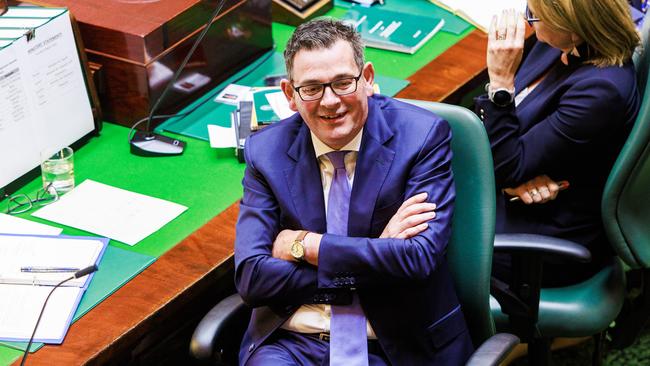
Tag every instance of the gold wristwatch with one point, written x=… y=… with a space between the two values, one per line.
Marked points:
x=298 y=246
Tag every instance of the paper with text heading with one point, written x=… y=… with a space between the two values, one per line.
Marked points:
x=113 y=212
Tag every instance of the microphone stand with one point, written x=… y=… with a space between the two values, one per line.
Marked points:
x=149 y=144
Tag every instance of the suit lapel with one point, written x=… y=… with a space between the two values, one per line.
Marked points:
x=373 y=164
x=537 y=63
x=304 y=182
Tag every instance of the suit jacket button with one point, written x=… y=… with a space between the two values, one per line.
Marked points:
x=251 y=347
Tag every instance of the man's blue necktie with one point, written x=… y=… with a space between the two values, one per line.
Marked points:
x=348 y=334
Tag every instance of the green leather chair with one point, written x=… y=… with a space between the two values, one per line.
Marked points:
x=470 y=252
x=590 y=307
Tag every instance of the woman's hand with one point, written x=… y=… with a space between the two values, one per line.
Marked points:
x=505 y=48
x=411 y=218
x=540 y=189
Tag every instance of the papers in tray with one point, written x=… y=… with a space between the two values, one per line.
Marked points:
x=113 y=212
x=390 y=30
x=480 y=13
x=22 y=294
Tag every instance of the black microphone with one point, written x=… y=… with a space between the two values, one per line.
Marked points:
x=80 y=273
x=85 y=271
x=147 y=143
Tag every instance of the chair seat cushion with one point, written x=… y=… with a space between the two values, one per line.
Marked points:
x=578 y=310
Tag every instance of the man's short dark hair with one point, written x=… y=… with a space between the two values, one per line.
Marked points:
x=322 y=33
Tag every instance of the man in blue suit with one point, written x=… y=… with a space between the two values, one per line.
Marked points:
x=387 y=266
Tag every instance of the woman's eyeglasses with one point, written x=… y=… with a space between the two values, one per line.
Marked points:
x=530 y=18
x=20 y=203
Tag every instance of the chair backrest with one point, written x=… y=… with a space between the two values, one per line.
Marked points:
x=626 y=200
x=470 y=250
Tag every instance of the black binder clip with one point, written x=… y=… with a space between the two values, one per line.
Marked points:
x=30 y=34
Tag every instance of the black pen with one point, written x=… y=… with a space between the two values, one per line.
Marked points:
x=41 y=269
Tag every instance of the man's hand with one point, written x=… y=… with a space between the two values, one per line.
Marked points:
x=540 y=189
x=282 y=245
x=284 y=240
x=411 y=218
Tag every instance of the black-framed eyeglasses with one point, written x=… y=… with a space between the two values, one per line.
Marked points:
x=530 y=18
x=342 y=86
x=20 y=203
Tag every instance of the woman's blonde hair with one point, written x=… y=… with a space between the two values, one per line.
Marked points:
x=606 y=26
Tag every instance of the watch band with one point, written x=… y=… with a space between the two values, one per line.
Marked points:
x=301 y=235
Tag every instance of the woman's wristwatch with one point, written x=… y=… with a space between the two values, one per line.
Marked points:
x=501 y=97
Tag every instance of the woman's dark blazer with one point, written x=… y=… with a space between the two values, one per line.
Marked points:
x=570 y=127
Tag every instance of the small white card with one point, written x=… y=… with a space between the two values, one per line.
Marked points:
x=280 y=105
x=112 y=212
x=222 y=137
x=232 y=94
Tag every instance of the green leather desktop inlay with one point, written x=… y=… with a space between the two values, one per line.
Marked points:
x=204 y=179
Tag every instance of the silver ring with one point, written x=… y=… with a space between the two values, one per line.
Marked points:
x=534 y=192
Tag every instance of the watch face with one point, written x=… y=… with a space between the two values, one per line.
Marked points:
x=297 y=250
x=502 y=97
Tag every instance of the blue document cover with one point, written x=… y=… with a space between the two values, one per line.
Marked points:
x=30 y=266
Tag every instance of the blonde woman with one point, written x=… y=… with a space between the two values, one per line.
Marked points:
x=559 y=117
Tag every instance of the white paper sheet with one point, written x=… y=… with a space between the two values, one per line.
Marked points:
x=480 y=13
x=112 y=212
x=222 y=137
x=17 y=252
x=16 y=225
x=279 y=104
x=22 y=304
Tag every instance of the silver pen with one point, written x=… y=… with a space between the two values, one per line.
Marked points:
x=43 y=269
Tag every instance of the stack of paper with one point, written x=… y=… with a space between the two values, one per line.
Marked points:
x=480 y=13
x=24 y=287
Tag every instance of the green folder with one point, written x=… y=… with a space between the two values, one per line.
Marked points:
x=117 y=267
x=263 y=111
x=392 y=30
x=453 y=24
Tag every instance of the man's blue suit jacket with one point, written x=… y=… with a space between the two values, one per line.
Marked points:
x=404 y=286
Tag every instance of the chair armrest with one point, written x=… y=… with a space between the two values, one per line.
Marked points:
x=494 y=350
x=228 y=311
x=541 y=245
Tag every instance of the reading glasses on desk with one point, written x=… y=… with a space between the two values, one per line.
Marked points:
x=20 y=203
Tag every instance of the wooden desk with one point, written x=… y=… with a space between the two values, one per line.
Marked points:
x=168 y=298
